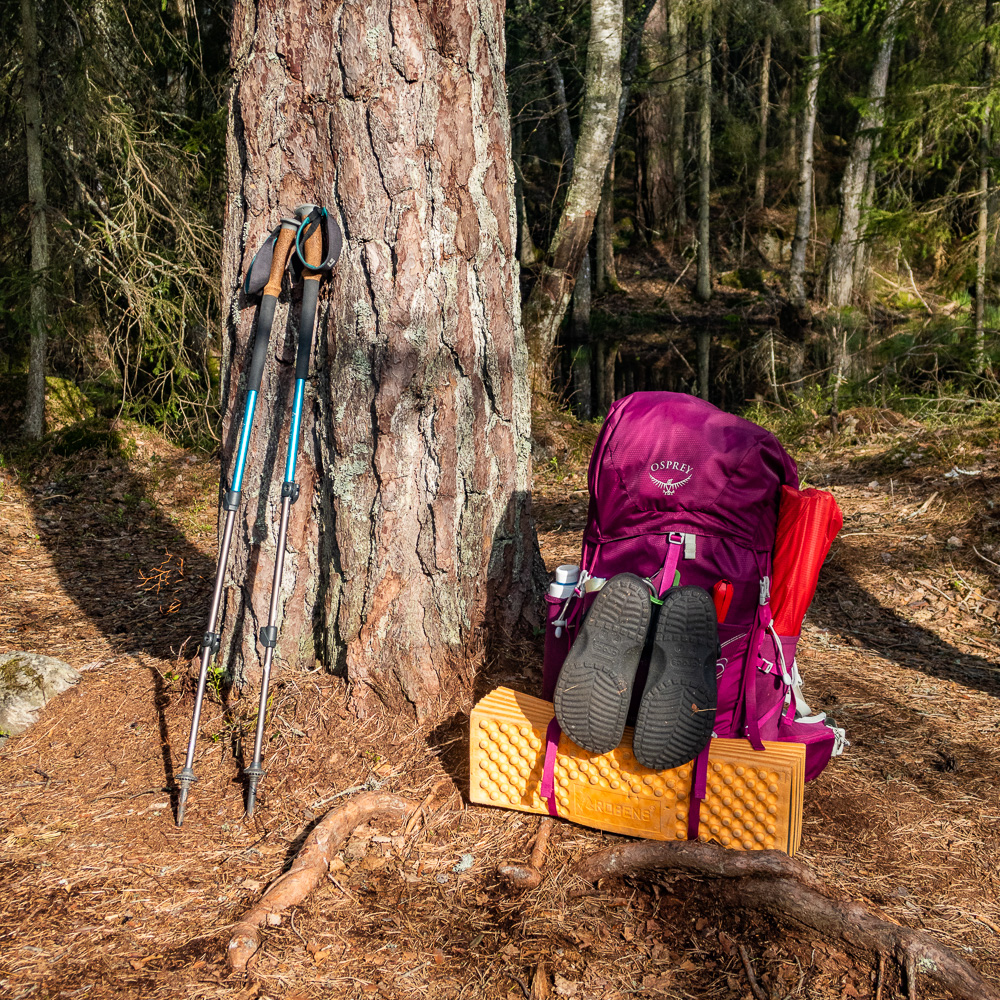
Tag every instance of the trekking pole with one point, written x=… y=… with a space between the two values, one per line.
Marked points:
x=210 y=641
x=310 y=217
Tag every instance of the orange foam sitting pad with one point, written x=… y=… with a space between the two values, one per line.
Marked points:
x=753 y=799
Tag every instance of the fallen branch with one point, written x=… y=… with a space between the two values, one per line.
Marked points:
x=529 y=876
x=309 y=867
x=776 y=884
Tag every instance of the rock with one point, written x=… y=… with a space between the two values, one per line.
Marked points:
x=27 y=682
x=954 y=542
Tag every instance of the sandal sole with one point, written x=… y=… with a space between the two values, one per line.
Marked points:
x=677 y=710
x=595 y=684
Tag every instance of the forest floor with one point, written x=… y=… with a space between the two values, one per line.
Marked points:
x=108 y=553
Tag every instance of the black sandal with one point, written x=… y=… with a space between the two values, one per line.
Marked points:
x=595 y=684
x=677 y=710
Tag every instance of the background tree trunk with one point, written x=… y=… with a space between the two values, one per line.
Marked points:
x=760 y=184
x=550 y=296
x=527 y=252
x=655 y=195
x=677 y=26
x=803 y=216
x=34 y=418
x=703 y=285
x=606 y=276
x=840 y=262
x=413 y=533
x=983 y=198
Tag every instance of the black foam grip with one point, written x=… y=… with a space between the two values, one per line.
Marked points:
x=265 y=319
x=307 y=320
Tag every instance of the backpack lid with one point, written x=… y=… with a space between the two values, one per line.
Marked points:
x=667 y=461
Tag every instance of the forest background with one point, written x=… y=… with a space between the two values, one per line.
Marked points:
x=800 y=208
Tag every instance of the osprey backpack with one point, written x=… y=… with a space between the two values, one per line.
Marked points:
x=684 y=493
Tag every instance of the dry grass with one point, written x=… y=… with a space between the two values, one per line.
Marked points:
x=104 y=897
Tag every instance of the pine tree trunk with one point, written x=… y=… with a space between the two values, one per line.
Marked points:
x=983 y=198
x=653 y=126
x=703 y=284
x=677 y=26
x=546 y=306
x=841 y=259
x=760 y=185
x=606 y=275
x=803 y=216
x=413 y=537
x=34 y=418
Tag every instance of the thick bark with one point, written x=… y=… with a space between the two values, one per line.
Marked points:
x=34 y=418
x=760 y=184
x=550 y=296
x=654 y=157
x=677 y=27
x=413 y=535
x=605 y=273
x=841 y=260
x=703 y=284
x=983 y=199
x=803 y=216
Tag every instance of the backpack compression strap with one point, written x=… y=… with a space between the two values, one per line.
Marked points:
x=547 y=790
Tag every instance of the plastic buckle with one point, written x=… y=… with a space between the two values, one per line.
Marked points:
x=765 y=590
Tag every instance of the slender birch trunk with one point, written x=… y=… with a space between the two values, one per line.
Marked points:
x=840 y=263
x=34 y=418
x=803 y=217
x=983 y=198
x=677 y=27
x=546 y=306
x=703 y=284
x=606 y=275
x=760 y=186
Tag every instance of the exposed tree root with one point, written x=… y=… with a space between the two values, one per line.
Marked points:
x=771 y=882
x=529 y=876
x=309 y=867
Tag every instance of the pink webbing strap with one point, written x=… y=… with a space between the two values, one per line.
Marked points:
x=548 y=787
x=699 y=785
x=675 y=542
x=751 y=728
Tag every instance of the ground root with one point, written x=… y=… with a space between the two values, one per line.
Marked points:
x=529 y=876
x=776 y=884
x=309 y=867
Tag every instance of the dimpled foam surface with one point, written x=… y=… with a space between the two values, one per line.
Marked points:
x=753 y=799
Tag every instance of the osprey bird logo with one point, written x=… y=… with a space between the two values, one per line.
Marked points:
x=670 y=486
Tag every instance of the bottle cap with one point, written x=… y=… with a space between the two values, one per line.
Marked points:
x=567 y=573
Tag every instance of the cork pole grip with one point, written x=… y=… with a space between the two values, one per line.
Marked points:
x=279 y=261
x=314 y=253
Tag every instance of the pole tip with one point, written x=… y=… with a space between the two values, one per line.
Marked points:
x=181 y=802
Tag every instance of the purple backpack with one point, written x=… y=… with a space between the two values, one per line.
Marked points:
x=683 y=493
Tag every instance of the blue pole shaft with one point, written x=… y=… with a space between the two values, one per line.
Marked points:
x=293 y=433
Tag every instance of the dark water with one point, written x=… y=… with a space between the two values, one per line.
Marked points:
x=590 y=375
